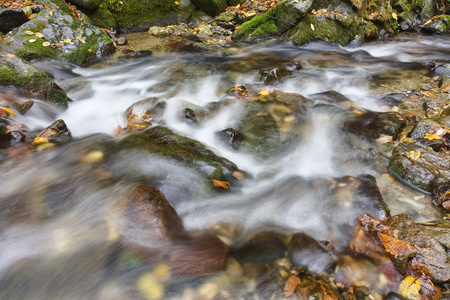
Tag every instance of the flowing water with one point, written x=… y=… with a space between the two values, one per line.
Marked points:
x=56 y=241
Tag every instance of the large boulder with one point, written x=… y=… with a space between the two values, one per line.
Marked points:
x=55 y=34
x=140 y=15
x=16 y=72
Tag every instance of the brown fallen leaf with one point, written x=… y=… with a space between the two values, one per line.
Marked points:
x=291 y=284
x=222 y=184
x=396 y=247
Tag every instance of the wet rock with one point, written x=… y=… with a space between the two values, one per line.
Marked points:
x=329 y=97
x=394 y=296
x=231 y=137
x=17 y=72
x=86 y=4
x=55 y=133
x=188 y=115
x=306 y=252
x=424 y=127
x=372 y=125
x=198 y=257
x=441 y=70
x=77 y=42
x=433 y=254
x=225 y=25
x=263 y=248
x=181 y=167
x=438 y=229
x=11 y=18
x=439 y=24
x=444 y=84
x=158 y=31
x=140 y=54
x=21 y=104
x=419 y=166
x=11 y=138
x=149 y=224
x=145 y=113
x=442 y=196
x=225 y=17
x=271 y=75
x=151 y=228
x=391 y=99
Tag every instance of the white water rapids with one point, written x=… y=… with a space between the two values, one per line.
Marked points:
x=45 y=258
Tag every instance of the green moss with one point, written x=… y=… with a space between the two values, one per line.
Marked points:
x=322 y=28
x=38 y=83
x=249 y=27
x=134 y=12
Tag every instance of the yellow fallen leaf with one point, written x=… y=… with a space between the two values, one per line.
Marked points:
x=39 y=35
x=32 y=40
x=92 y=157
x=67 y=41
x=29 y=32
x=394 y=15
x=312 y=27
x=40 y=140
x=10 y=55
x=414 y=154
x=264 y=92
x=430 y=136
x=408 y=140
x=89 y=50
x=177 y=3
x=409 y=288
x=42 y=147
x=46 y=44
x=79 y=38
x=150 y=287
x=222 y=184
x=9 y=111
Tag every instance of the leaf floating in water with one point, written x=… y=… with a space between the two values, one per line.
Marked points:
x=222 y=184
x=414 y=155
x=150 y=287
x=40 y=140
x=410 y=287
x=265 y=91
x=396 y=247
x=92 y=157
x=9 y=111
x=291 y=284
x=46 y=44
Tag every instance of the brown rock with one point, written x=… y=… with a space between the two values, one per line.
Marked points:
x=198 y=257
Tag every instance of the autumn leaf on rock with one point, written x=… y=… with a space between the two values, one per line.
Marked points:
x=291 y=284
x=414 y=155
x=430 y=136
x=410 y=287
x=222 y=184
x=396 y=247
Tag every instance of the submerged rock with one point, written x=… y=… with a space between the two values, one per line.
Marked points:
x=151 y=228
x=181 y=167
x=57 y=132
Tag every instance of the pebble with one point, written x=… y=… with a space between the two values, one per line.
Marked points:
x=425 y=86
x=121 y=41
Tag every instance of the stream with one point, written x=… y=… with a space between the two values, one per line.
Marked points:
x=56 y=237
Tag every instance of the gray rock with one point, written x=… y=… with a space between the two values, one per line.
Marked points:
x=211 y=7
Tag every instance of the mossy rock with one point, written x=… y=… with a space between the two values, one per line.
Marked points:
x=63 y=38
x=140 y=15
x=16 y=72
x=276 y=21
x=181 y=167
x=331 y=28
x=420 y=166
